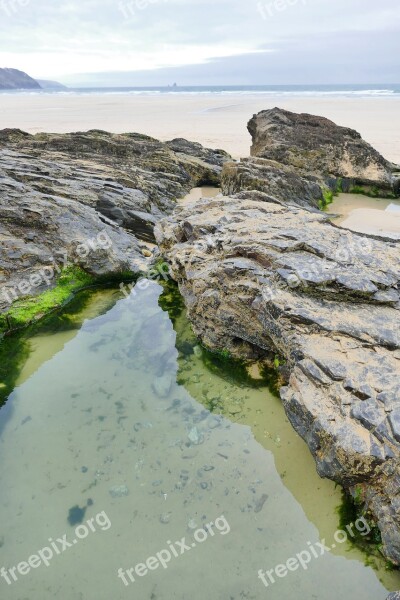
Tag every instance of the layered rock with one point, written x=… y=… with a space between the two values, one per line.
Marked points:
x=279 y=182
x=58 y=192
x=306 y=151
x=261 y=276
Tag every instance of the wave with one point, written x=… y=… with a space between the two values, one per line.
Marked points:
x=270 y=91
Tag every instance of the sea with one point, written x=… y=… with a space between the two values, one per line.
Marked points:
x=359 y=90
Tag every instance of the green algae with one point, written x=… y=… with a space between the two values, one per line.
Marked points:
x=14 y=352
x=171 y=300
x=72 y=279
x=327 y=198
x=350 y=510
x=26 y=310
x=372 y=192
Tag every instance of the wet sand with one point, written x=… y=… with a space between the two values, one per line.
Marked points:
x=217 y=121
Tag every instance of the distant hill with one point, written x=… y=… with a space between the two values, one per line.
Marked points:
x=51 y=85
x=12 y=79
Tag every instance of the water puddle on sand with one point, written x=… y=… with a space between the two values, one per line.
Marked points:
x=363 y=214
x=198 y=193
x=117 y=409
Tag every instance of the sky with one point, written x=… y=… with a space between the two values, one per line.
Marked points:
x=202 y=42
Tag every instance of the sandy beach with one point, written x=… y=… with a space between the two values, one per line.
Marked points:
x=217 y=121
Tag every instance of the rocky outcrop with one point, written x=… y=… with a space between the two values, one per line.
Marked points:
x=309 y=154
x=279 y=182
x=260 y=276
x=131 y=179
x=12 y=79
x=263 y=272
x=59 y=191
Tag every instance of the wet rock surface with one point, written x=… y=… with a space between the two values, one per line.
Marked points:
x=285 y=280
x=60 y=191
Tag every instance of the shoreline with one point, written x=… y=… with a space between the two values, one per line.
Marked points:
x=214 y=121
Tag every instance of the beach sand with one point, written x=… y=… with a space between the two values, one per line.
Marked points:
x=217 y=121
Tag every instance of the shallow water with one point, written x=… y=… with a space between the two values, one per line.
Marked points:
x=124 y=413
x=363 y=214
x=198 y=193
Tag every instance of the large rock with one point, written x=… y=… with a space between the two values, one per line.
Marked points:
x=60 y=191
x=309 y=154
x=262 y=276
x=130 y=178
x=41 y=235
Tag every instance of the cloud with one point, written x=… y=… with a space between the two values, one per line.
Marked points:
x=262 y=39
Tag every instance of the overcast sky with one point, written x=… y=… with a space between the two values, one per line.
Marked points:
x=157 y=42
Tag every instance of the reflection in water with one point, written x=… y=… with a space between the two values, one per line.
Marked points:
x=110 y=416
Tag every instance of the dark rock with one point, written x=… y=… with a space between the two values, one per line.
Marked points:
x=298 y=157
x=76 y=515
x=315 y=145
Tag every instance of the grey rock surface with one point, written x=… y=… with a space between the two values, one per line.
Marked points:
x=313 y=144
x=295 y=157
x=60 y=191
x=281 y=279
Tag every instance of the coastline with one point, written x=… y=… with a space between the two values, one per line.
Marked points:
x=215 y=121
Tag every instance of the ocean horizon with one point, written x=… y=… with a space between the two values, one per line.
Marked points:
x=343 y=90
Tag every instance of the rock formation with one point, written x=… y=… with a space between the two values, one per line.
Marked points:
x=261 y=276
x=296 y=157
x=57 y=191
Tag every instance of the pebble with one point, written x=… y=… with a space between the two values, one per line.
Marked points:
x=194 y=436
x=118 y=491
x=165 y=518
x=260 y=503
x=162 y=386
